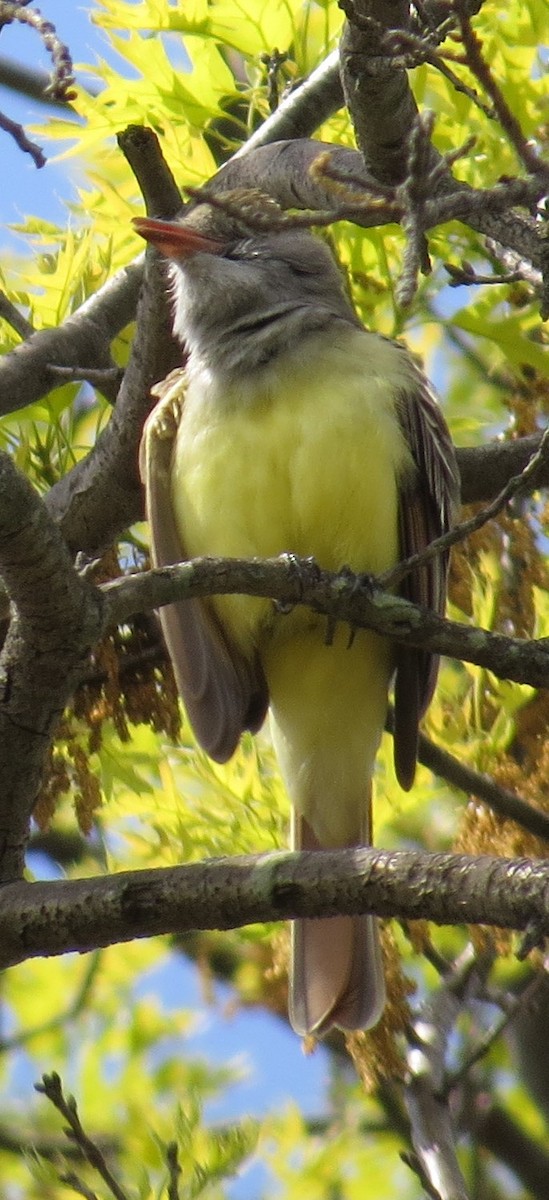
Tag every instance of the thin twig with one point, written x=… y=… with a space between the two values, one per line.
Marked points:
x=413 y=192
x=466 y=275
x=174 y=1171
x=19 y=136
x=482 y=72
x=11 y=314
x=414 y=51
x=515 y=262
x=273 y=61
x=253 y=215
x=61 y=86
x=77 y=1184
x=52 y=1088
x=492 y=1034
x=473 y=783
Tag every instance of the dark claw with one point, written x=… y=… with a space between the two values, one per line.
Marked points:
x=350 y=584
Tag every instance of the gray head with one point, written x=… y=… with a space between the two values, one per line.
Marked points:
x=242 y=297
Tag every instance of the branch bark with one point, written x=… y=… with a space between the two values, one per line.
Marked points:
x=44 y=919
x=343 y=597
x=83 y=340
x=56 y=617
x=102 y=495
x=377 y=94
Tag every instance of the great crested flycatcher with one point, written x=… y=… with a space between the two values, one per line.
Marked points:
x=299 y=432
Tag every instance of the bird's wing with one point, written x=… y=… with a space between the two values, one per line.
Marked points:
x=223 y=693
x=428 y=505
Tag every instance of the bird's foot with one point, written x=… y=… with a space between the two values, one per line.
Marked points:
x=302 y=571
x=349 y=583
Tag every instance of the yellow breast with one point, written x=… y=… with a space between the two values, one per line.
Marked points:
x=303 y=458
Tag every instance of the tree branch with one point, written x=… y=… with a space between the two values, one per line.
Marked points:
x=44 y=919
x=433 y=1128
x=82 y=340
x=342 y=597
x=102 y=495
x=378 y=95
x=504 y=802
x=56 y=619
x=52 y=1088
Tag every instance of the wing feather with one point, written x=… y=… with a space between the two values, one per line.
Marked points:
x=223 y=693
x=428 y=506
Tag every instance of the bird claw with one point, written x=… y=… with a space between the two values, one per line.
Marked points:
x=303 y=571
x=349 y=583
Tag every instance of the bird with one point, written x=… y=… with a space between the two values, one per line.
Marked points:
x=298 y=432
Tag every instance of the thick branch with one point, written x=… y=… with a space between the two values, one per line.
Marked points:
x=485 y=470
x=33 y=82
x=377 y=94
x=83 y=340
x=56 y=618
x=43 y=919
x=141 y=149
x=102 y=495
x=343 y=597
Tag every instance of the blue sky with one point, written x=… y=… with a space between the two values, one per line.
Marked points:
x=25 y=189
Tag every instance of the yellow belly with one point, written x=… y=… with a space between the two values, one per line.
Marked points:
x=307 y=463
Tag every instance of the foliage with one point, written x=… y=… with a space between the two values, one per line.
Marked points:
x=193 y=73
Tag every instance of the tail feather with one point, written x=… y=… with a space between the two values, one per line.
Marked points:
x=337 y=973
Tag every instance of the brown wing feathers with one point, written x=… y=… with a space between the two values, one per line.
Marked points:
x=427 y=510
x=223 y=692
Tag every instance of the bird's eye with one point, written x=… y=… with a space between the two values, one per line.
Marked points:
x=303 y=269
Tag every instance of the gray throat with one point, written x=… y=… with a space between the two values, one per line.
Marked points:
x=256 y=340
x=233 y=318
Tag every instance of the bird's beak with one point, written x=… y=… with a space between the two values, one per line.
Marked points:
x=176 y=240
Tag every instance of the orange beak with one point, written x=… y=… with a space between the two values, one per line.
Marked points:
x=175 y=240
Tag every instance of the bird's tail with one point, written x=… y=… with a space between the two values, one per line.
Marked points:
x=336 y=969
